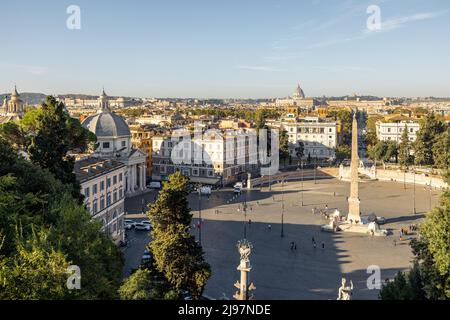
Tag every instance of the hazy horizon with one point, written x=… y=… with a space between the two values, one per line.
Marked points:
x=241 y=50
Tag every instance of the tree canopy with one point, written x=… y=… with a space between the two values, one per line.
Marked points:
x=176 y=253
x=43 y=230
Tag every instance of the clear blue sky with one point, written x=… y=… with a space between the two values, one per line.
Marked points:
x=242 y=48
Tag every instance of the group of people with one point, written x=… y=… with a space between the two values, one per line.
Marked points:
x=315 y=243
x=323 y=211
x=406 y=231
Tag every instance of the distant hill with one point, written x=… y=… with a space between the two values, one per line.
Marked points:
x=28 y=98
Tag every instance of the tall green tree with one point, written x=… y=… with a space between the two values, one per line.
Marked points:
x=377 y=152
x=47 y=134
x=343 y=152
x=404 y=156
x=176 y=253
x=43 y=229
x=138 y=286
x=392 y=151
x=284 y=146
x=300 y=150
x=430 y=129
x=49 y=146
x=441 y=151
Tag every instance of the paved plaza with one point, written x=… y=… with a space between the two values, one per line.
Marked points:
x=307 y=272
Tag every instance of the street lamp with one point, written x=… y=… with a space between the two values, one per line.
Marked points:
x=244 y=207
x=315 y=168
x=200 y=214
x=302 y=185
x=431 y=189
x=282 y=209
x=143 y=206
x=414 y=189
x=270 y=180
x=404 y=179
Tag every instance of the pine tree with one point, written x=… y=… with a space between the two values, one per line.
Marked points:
x=441 y=151
x=404 y=149
x=176 y=253
x=430 y=128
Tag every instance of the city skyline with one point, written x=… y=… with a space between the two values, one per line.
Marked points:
x=213 y=50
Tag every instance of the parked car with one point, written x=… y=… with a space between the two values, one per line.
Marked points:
x=146 y=222
x=142 y=226
x=154 y=185
x=381 y=220
x=128 y=224
x=147 y=256
x=185 y=295
x=237 y=188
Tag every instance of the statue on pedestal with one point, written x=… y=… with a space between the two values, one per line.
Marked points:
x=245 y=249
x=345 y=292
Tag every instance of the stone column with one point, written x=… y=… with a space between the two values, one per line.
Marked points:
x=133 y=185
x=143 y=177
x=128 y=177
x=244 y=267
x=353 y=200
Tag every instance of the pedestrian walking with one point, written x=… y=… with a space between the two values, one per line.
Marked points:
x=249 y=222
x=313 y=240
x=269 y=227
x=295 y=247
x=323 y=245
x=292 y=245
x=314 y=244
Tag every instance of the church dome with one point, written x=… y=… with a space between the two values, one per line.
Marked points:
x=107 y=124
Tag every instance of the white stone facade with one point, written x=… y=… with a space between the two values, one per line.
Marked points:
x=103 y=186
x=392 y=131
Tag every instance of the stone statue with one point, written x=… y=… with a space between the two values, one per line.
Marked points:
x=245 y=249
x=345 y=292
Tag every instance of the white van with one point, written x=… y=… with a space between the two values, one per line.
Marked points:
x=205 y=190
x=238 y=187
x=155 y=185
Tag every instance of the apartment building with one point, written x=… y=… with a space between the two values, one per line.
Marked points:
x=103 y=186
x=217 y=157
x=393 y=130
x=320 y=137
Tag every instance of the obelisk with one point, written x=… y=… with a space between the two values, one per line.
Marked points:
x=353 y=201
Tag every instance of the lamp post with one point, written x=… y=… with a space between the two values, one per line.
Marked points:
x=302 y=185
x=143 y=206
x=282 y=209
x=200 y=214
x=414 y=189
x=315 y=168
x=431 y=189
x=404 y=179
x=244 y=207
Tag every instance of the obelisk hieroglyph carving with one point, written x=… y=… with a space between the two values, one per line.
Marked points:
x=353 y=201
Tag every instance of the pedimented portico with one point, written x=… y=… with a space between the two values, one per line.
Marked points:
x=136 y=172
